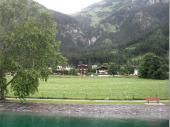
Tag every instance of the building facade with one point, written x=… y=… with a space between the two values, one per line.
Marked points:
x=102 y=71
x=83 y=69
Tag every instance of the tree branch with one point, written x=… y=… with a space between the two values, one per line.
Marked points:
x=11 y=80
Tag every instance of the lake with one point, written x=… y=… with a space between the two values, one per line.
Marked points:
x=15 y=119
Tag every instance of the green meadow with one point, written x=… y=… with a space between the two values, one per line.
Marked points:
x=107 y=88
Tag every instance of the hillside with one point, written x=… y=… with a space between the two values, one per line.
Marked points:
x=119 y=31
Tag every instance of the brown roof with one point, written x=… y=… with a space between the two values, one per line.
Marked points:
x=102 y=68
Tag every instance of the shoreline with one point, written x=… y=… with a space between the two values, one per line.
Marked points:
x=91 y=111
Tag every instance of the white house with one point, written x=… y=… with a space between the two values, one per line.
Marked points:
x=102 y=71
x=136 y=72
x=94 y=66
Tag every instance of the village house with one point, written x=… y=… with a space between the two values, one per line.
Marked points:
x=83 y=69
x=102 y=71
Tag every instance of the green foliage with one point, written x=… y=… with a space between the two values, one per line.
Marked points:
x=28 y=45
x=107 y=27
x=153 y=67
x=119 y=69
x=130 y=69
x=91 y=70
x=73 y=72
x=113 y=68
x=123 y=70
x=162 y=72
x=132 y=30
x=25 y=83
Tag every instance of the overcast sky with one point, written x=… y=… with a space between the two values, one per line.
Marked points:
x=67 y=6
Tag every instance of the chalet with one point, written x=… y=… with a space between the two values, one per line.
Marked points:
x=102 y=71
x=83 y=69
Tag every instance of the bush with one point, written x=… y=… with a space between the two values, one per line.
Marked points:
x=153 y=67
x=73 y=72
x=91 y=70
x=162 y=73
x=113 y=68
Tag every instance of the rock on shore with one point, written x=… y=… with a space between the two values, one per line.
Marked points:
x=106 y=111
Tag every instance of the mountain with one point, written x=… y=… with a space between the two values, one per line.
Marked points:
x=120 y=31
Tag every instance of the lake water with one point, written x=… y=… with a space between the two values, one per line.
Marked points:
x=12 y=119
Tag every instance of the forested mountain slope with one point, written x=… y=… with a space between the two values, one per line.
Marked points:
x=120 y=31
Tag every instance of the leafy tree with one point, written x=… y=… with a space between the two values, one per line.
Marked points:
x=113 y=68
x=162 y=72
x=152 y=67
x=130 y=69
x=28 y=46
x=91 y=70
x=123 y=70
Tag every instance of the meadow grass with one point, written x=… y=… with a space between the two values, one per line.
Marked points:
x=107 y=88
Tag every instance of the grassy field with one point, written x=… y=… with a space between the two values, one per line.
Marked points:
x=108 y=88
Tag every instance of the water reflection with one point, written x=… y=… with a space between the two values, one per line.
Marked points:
x=12 y=119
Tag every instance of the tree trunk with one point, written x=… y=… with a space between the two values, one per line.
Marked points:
x=2 y=85
x=2 y=94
